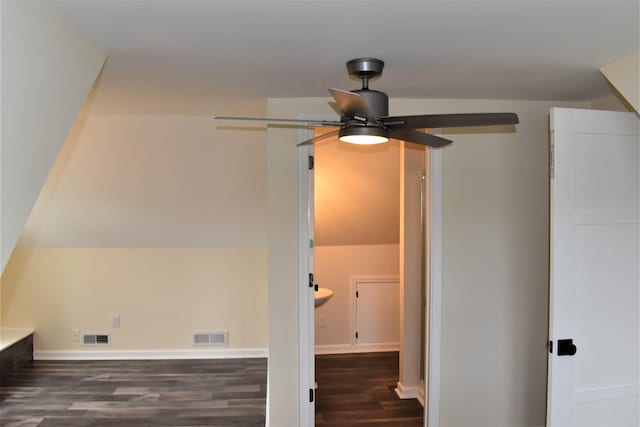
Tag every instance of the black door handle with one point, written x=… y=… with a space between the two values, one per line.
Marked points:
x=566 y=347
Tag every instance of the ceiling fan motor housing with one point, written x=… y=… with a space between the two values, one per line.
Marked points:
x=378 y=102
x=367 y=69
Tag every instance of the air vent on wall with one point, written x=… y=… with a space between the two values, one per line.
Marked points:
x=211 y=338
x=96 y=339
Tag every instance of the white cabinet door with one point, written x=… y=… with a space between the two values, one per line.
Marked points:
x=377 y=312
x=594 y=270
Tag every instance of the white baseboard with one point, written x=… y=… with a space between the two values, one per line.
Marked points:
x=224 y=353
x=357 y=348
x=405 y=392
x=421 y=393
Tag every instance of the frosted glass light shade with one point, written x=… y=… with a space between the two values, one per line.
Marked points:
x=364 y=135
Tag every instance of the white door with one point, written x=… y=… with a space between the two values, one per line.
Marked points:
x=306 y=283
x=594 y=270
x=377 y=308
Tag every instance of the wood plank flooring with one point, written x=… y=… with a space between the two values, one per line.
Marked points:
x=354 y=390
x=229 y=392
x=358 y=390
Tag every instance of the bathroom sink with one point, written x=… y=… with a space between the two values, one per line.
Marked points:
x=322 y=295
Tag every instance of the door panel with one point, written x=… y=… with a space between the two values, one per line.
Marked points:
x=606 y=306
x=594 y=268
x=605 y=165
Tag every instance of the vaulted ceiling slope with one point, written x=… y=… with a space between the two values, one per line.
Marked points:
x=515 y=49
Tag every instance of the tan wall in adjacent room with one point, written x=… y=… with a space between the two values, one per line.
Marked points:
x=335 y=268
x=357 y=193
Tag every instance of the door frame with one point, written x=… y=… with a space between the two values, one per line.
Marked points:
x=433 y=319
x=434 y=255
x=306 y=317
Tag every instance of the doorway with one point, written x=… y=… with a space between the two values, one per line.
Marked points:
x=423 y=325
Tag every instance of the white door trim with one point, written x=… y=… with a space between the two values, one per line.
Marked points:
x=306 y=341
x=434 y=288
x=434 y=260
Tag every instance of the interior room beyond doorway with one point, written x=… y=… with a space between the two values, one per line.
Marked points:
x=367 y=200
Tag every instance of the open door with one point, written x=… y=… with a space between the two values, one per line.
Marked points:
x=306 y=282
x=594 y=270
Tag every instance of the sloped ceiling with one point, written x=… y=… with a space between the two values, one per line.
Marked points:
x=357 y=194
x=191 y=51
x=154 y=181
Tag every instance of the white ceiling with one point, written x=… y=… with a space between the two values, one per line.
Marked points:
x=509 y=49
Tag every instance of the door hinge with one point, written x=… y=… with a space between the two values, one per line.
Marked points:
x=357 y=294
x=552 y=161
x=356 y=335
x=550 y=346
x=310 y=162
x=311 y=280
x=311 y=395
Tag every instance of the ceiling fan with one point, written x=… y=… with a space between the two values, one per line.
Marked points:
x=365 y=119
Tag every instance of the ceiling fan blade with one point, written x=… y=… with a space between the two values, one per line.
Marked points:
x=282 y=121
x=351 y=104
x=318 y=138
x=418 y=137
x=451 y=120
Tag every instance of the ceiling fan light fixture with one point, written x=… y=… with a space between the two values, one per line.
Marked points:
x=364 y=135
x=365 y=119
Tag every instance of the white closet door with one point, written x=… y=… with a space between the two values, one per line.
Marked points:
x=377 y=312
x=594 y=271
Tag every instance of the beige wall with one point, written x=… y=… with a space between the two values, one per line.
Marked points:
x=335 y=268
x=154 y=181
x=495 y=286
x=495 y=272
x=48 y=68
x=162 y=295
x=623 y=75
x=160 y=218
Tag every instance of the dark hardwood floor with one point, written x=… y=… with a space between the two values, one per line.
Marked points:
x=358 y=390
x=354 y=390
x=228 y=392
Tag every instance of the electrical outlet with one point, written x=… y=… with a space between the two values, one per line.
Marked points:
x=322 y=322
x=75 y=335
x=115 y=320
